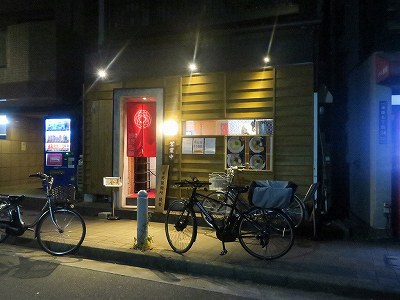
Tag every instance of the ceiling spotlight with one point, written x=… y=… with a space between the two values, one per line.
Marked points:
x=267 y=59
x=102 y=73
x=192 y=67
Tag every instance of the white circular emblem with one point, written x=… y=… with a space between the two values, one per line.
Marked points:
x=142 y=119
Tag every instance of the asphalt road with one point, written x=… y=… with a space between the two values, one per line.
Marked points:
x=32 y=274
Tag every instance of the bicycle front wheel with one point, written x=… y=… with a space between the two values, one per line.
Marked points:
x=65 y=240
x=266 y=233
x=180 y=226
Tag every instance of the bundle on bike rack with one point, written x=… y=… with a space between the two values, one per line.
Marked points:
x=219 y=181
x=4 y=201
x=271 y=193
x=63 y=194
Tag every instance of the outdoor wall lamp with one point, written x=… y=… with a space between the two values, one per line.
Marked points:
x=170 y=128
x=267 y=59
x=3 y=120
x=101 y=73
x=192 y=67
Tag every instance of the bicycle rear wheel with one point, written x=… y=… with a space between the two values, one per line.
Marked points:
x=180 y=226
x=266 y=233
x=64 y=241
x=295 y=211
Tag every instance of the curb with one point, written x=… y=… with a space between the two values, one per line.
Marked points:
x=337 y=285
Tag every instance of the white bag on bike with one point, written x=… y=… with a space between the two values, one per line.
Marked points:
x=271 y=194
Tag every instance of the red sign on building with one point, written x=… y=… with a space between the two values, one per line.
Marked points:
x=382 y=68
x=141 y=129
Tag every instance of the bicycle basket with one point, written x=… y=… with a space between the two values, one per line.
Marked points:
x=63 y=194
x=219 y=181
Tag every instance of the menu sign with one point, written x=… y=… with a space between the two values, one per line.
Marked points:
x=58 y=135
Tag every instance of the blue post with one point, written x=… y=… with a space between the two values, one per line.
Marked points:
x=142 y=217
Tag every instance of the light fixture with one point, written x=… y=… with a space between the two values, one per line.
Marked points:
x=170 y=128
x=192 y=67
x=3 y=120
x=102 y=73
x=267 y=59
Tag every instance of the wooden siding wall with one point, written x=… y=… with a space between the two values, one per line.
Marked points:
x=97 y=153
x=293 y=131
x=284 y=94
x=250 y=95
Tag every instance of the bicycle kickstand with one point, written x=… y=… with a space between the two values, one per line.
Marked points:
x=224 y=251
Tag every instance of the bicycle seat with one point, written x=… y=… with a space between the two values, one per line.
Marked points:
x=239 y=188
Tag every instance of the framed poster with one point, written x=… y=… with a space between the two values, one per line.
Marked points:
x=209 y=145
x=187 y=144
x=198 y=146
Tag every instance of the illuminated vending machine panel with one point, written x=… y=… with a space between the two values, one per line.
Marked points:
x=59 y=156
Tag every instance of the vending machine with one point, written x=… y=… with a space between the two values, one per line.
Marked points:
x=60 y=151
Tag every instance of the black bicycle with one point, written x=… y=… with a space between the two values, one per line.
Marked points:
x=265 y=233
x=296 y=210
x=58 y=228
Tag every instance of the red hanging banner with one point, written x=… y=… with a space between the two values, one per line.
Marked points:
x=141 y=129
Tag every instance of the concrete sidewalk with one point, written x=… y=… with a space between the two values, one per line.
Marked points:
x=342 y=267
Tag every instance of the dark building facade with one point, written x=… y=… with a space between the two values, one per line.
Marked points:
x=50 y=49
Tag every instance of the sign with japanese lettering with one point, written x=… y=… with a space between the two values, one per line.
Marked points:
x=162 y=189
x=383 y=122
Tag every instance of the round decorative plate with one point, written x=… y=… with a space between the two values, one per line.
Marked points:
x=256 y=144
x=257 y=162
x=234 y=160
x=235 y=145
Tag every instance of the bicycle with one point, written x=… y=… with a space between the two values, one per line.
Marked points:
x=264 y=233
x=296 y=209
x=58 y=228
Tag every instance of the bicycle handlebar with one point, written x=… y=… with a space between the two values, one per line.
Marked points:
x=41 y=176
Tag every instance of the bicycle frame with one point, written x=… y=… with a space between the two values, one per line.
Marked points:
x=19 y=226
x=193 y=200
x=14 y=210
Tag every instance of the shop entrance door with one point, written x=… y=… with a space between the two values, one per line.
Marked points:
x=137 y=143
x=141 y=146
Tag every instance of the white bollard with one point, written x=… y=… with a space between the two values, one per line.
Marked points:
x=142 y=217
